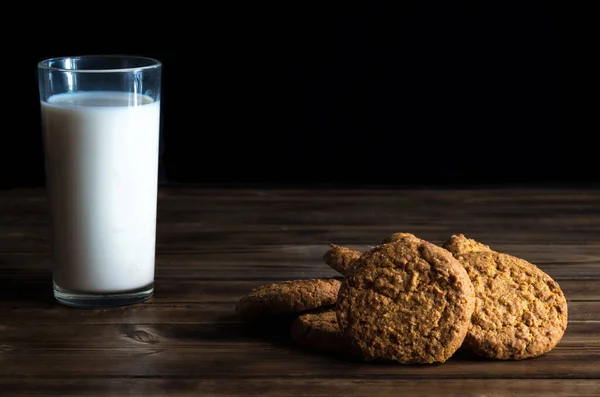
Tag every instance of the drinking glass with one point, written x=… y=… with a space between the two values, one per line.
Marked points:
x=100 y=125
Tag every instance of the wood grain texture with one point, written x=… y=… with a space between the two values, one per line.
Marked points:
x=216 y=244
x=271 y=387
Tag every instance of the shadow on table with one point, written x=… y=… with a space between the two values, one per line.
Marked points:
x=273 y=329
x=21 y=285
x=276 y=331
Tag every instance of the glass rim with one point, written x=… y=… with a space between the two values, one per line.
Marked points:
x=149 y=63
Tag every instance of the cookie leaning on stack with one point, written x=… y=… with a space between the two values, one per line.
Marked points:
x=520 y=311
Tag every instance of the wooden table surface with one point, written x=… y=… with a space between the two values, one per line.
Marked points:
x=215 y=244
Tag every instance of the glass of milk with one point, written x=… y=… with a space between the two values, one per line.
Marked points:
x=100 y=125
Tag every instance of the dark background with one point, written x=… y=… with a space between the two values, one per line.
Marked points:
x=433 y=93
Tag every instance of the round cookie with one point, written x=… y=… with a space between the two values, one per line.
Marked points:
x=340 y=258
x=520 y=311
x=288 y=297
x=319 y=330
x=408 y=301
x=458 y=244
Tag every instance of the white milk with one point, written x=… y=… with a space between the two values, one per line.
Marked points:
x=102 y=178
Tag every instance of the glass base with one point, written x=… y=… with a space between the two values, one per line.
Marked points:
x=103 y=300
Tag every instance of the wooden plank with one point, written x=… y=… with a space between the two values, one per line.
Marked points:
x=262 y=359
x=270 y=387
x=199 y=234
x=264 y=262
x=18 y=338
x=20 y=290
x=189 y=219
x=154 y=311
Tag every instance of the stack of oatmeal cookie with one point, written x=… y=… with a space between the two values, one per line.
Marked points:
x=410 y=301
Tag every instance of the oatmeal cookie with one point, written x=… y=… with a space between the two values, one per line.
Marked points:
x=340 y=258
x=287 y=297
x=398 y=236
x=459 y=244
x=520 y=311
x=318 y=330
x=408 y=301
